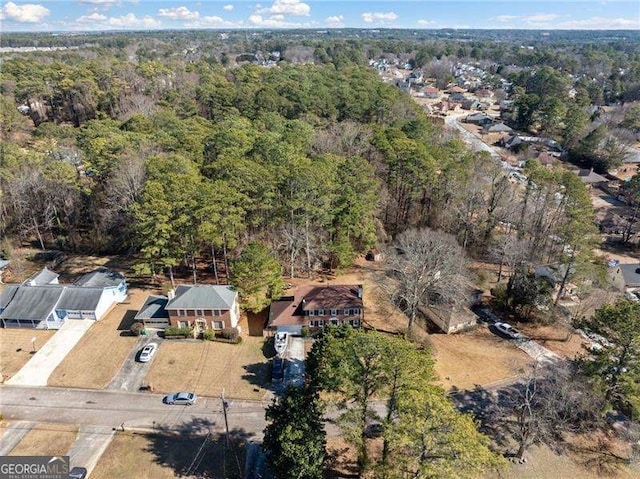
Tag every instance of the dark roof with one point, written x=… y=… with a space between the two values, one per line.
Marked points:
x=45 y=276
x=76 y=298
x=153 y=308
x=589 y=176
x=332 y=297
x=32 y=302
x=499 y=127
x=100 y=278
x=202 y=296
x=631 y=274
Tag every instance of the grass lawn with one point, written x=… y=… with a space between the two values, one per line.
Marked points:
x=164 y=456
x=206 y=367
x=98 y=356
x=46 y=440
x=475 y=357
x=16 y=347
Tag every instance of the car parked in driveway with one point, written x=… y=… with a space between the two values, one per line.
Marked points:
x=486 y=315
x=78 y=473
x=508 y=330
x=181 y=398
x=147 y=352
x=277 y=369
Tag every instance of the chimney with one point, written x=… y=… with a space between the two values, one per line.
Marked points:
x=360 y=291
x=171 y=294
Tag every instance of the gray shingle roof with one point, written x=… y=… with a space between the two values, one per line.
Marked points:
x=32 y=302
x=631 y=274
x=153 y=308
x=7 y=294
x=79 y=298
x=42 y=277
x=202 y=296
x=100 y=278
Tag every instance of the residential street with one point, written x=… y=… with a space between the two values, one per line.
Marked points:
x=470 y=138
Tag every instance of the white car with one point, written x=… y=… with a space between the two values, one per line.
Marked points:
x=147 y=352
x=508 y=330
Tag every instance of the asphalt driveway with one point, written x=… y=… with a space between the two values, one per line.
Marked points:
x=132 y=373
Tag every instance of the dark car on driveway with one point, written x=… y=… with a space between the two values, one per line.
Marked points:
x=277 y=369
x=182 y=397
x=78 y=473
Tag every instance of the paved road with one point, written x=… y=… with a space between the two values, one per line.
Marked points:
x=132 y=373
x=37 y=371
x=477 y=143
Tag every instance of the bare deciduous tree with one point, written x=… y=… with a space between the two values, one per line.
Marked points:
x=428 y=266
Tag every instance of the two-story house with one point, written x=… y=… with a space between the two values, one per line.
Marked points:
x=317 y=306
x=197 y=306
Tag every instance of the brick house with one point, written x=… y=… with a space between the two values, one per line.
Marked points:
x=317 y=306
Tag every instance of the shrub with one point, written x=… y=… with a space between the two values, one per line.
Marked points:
x=228 y=333
x=305 y=331
x=136 y=328
x=209 y=335
x=173 y=332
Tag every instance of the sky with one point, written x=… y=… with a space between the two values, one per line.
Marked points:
x=96 y=15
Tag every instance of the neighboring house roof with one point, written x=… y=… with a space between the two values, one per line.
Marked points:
x=153 y=308
x=202 y=296
x=4 y=263
x=45 y=276
x=32 y=302
x=631 y=274
x=75 y=298
x=512 y=141
x=499 y=128
x=478 y=117
x=456 y=89
x=552 y=272
x=100 y=278
x=589 y=176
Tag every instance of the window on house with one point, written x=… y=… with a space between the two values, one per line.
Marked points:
x=182 y=312
x=183 y=324
x=334 y=321
x=334 y=312
x=199 y=312
x=218 y=325
x=311 y=312
x=321 y=312
x=216 y=312
x=355 y=323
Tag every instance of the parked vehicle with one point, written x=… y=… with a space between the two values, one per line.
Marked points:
x=183 y=398
x=78 y=473
x=280 y=343
x=147 y=352
x=486 y=315
x=277 y=369
x=631 y=296
x=508 y=330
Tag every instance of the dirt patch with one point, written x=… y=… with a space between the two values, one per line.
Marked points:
x=164 y=456
x=16 y=348
x=557 y=339
x=46 y=440
x=478 y=357
x=206 y=367
x=98 y=356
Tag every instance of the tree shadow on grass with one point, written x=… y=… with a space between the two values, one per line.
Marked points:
x=196 y=453
x=258 y=374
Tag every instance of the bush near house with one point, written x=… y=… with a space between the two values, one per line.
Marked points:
x=228 y=335
x=173 y=332
x=136 y=328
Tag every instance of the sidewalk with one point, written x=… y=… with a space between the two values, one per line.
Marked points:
x=37 y=371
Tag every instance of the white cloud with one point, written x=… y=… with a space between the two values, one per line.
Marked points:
x=94 y=17
x=25 y=13
x=541 y=17
x=212 y=22
x=179 y=13
x=379 y=17
x=104 y=3
x=600 y=23
x=426 y=22
x=276 y=21
x=228 y=8
x=336 y=21
x=294 y=8
x=506 y=18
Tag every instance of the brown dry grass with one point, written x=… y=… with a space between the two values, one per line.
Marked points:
x=46 y=440
x=206 y=367
x=98 y=356
x=160 y=456
x=478 y=357
x=16 y=347
x=556 y=338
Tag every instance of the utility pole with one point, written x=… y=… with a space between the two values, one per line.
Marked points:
x=226 y=436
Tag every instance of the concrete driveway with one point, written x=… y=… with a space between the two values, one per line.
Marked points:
x=132 y=373
x=89 y=445
x=37 y=371
x=13 y=434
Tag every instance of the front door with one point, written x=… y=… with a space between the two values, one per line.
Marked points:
x=201 y=325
